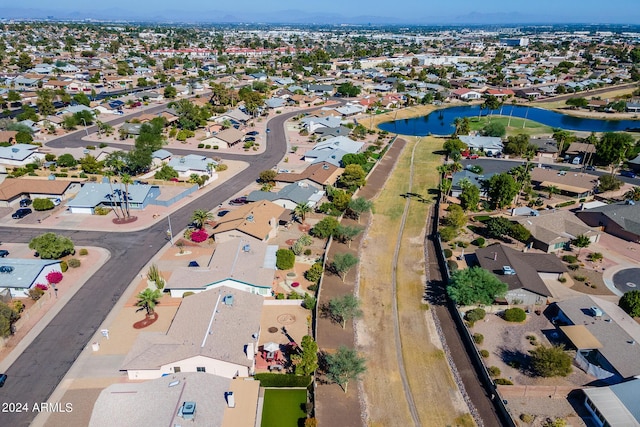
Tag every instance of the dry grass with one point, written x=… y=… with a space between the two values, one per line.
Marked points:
x=429 y=375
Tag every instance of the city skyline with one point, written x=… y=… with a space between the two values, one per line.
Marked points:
x=334 y=12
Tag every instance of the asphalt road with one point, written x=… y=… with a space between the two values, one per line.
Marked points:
x=38 y=371
x=627 y=280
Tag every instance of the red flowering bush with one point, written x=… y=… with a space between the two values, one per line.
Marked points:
x=199 y=236
x=54 y=277
x=42 y=286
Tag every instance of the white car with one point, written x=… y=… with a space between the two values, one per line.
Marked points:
x=56 y=202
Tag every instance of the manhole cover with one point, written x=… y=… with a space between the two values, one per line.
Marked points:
x=631 y=284
x=272 y=330
x=286 y=319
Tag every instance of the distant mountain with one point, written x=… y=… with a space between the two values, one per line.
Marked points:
x=298 y=17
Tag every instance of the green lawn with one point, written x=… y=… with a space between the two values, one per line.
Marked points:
x=283 y=407
x=515 y=125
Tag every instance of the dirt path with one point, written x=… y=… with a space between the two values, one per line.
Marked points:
x=394 y=290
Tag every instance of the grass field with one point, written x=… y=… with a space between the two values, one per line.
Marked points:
x=283 y=408
x=513 y=125
x=428 y=372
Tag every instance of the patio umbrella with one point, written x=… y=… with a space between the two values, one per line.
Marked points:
x=271 y=346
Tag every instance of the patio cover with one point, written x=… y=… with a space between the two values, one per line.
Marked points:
x=565 y=187
x=580 y=336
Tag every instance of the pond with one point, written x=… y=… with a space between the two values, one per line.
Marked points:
x=440 y=122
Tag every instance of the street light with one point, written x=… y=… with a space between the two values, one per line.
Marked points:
x=85 y=126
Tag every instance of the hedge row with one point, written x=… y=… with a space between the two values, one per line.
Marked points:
x=283 y=380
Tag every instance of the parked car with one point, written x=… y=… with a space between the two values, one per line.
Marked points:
x=56 y=202
x=3 y=253
x=472 y=156
x=25 y=202
x=628 y=174
x=3 y=379
x=239 y=201
x=250 y=139
x=253 y=133
x=590 y=168
x=21 y=213
x=223 y=213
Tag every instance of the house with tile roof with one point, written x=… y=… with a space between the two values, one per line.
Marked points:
x=618 y=219
x=12 y=190
x=247 y=265
x=225 y=138
x=572 y=183
x=526 y=285
x=257 y=220
x=322 y=173
x=214 y=332
x=604 y=336
x=552 y=231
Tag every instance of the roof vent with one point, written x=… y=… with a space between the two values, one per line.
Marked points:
x=187 y=410
x=231 y=401
x=325 y=167
x=174 y=383
x=15 y=150
x=250 y=218
x=246 y=248
x=507 y=270
x=182 y=160
x=6 y=269
x=227 y=300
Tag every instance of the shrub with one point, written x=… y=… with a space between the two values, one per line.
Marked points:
x=630 y=303
x=480 y=242
x=99 y=210
x=18 y=306
x=188 y=293
x=562 y=279
x=573 y=267
x=103 y=145
x=313 y=287
x=448 y=233
x=474 y=315
x=503 y=381
x=285 y=259
x=527 y=418
x=550 y=361
x=41 y=204
x=35 y=293
x=64 y=266
x=570 y=259
x=462 y=244
x=309 y=302
x=596 y=256
x=307 y=252
x=199 y=236
x=83 y=252
x=515 y=315
x=281 y=296
x=494 y=371
x=453 y=266
x=220 y=167
x=448 y=253
x=314 y=273
x=484 y=353
x=580 y=278
x=54 y=277
x=42 y=286
x=279 y=380
x=478 y=338
x=74 y=263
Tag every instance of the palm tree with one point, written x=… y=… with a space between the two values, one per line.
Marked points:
x=633 y=194
x=110 y=174
x=148 y=299
x=126 y=180
x=200 y=217
x=301 y=210
x=552 y=189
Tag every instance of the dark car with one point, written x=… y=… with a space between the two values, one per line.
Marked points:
x=628 y=174
x=25 y=202
x=223 y=213
x=253 y=133
x=249 y=139
x=239 y=201
x=590 y=168
x=21 y=213
x=3 y=253
x=3 y=379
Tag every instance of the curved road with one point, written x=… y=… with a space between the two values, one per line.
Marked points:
x=40 y=368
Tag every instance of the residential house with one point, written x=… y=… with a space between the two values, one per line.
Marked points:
x=553 y=231
x=257 y=220
x=332 y=150
x=311 y=124
x=93 y=195
x=225 y=138
x=325 y=132
x=237 y=263
x=20 y=155
x=604 y=336
x=18 y=276
x=322 y=174
x=159 y=157
x=236 y=117
x=290 y=196
x=320 y=89
x=490 y=145
x=575 y=184
x=546 y=148
x=273 y=103
x=15 y=189
x=466 y=94
x=349 y=110
x=618 y=219
x=214 y=332
x=615 y=405
x=194 y=164
x=526 y=273
x=477 y=180
x=216 y=401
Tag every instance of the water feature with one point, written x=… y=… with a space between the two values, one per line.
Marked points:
x=440 y=122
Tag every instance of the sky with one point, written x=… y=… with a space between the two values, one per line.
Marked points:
x=338 y=11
